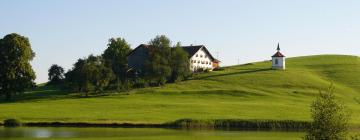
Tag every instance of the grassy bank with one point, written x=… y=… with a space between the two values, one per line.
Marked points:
x=245 y=92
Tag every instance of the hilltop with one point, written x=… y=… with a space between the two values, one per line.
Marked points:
x=249 y=91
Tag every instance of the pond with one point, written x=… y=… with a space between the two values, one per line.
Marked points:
x=46 y=133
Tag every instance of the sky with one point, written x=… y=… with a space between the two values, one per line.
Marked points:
x=236 y=31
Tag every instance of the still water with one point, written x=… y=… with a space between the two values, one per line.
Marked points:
x=46 y=133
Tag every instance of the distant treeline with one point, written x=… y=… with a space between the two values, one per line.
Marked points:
x=93 y=74
x=110 y=71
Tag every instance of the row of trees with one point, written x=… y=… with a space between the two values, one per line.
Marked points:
x=166 y=63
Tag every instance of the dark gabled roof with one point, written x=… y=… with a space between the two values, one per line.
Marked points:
x=191 y=50
x=278 y=54
x=141 y=45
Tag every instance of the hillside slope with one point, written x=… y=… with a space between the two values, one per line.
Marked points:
x=251 y=91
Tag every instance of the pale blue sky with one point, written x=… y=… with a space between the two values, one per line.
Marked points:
x=61 y=31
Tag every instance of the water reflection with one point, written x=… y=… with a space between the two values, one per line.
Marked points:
x=30 y=133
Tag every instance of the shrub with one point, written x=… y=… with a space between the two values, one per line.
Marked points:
x=330 y=119
x=12 y=123
x=141 y=83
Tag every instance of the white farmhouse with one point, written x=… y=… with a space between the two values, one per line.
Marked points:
x=200 y=58
x=278 y=60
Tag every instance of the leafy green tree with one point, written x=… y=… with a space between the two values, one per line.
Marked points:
x=99 y=75
x=158 y=69
x=77 y=78
x=56 y=74
x=115 y=57
x=179 y=64
x=89 y=74
x=330 y=118
x=16 y=73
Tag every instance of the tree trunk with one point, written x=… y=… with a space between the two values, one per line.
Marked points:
x=8 y=96
x=118 y=84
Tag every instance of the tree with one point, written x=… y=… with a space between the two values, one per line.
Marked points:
x=330 y=119
x=158 y=68
x=56 y=74
x=179 y=64
x=16 y=73
x=77 y=77
x=89 y=74
x=98 y=74
x=115 y=57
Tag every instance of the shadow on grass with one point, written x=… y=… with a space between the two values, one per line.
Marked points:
x=234 y=73
x=235 y=93
x=42 y=92
x=49 y=93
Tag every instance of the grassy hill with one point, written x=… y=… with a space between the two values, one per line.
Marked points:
x=251 y=91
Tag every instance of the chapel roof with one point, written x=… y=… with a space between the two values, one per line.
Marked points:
x=278 y=54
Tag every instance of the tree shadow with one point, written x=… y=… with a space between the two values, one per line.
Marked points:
x=234 y=73
x=43 y=92
x=53 y=93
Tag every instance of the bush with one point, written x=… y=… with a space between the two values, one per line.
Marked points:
x=12 y=123
x=140 y=83
x=330 y=118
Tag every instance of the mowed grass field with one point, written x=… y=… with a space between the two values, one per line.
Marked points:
x=251 y=91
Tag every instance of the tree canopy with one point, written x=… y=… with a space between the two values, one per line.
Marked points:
x=56 y=74
x=115 y=57
x=158 y=69
x=179 y=64
x=16 y=73
x=89 y=74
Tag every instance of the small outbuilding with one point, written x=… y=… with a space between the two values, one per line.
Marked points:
x=278 y=60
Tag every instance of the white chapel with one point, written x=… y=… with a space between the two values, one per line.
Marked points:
x=278 y=60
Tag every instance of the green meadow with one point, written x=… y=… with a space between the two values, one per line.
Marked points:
x=249 y=91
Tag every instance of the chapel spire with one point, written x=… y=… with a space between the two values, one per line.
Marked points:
x=278 y=47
